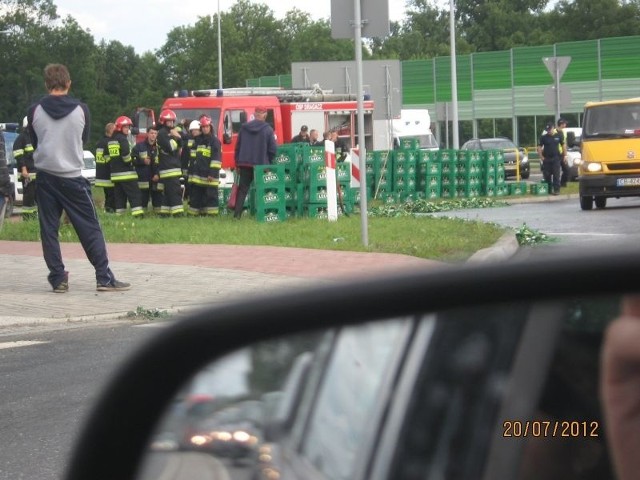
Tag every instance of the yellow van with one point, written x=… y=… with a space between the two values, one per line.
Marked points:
x=610 y=152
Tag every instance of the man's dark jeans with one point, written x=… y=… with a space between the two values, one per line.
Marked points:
x=72 y=195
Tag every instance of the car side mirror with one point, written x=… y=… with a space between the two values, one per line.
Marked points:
x=404 y=365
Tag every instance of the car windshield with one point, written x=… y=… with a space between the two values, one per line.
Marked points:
x=614 y=119
x=9 y=138
x=497 y=144
x=89 y=162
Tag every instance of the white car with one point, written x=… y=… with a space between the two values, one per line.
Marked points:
x=9 y=131
x=89 y=170
x=573 y=136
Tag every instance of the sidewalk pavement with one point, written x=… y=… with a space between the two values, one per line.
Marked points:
x=175 y=278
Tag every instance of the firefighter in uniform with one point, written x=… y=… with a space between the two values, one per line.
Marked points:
x=144 y=156
x=204 y=172
x=123 y=173
x=103 y=170
x=23 y=153
x=168 y=166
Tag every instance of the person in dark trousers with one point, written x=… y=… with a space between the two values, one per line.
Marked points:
x=204 y=171
x=59 y=125
x=103 y=169
x=23 y=153
x=144 y=155
x=5 y=181
x=168 y=166
x=256 y=145
x=123 y=172
x=340 y=146
x=564 y=166
x=549 y=150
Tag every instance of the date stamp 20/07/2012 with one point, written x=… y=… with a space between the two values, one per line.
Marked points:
x=550 y=428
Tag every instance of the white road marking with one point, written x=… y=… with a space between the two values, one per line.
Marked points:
x=24 y=343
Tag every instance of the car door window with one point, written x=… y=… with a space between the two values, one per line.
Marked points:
x=350 y=393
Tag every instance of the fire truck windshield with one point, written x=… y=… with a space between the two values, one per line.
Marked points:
x=195 y=113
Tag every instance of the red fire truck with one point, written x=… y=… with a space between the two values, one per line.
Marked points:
x=287 y=109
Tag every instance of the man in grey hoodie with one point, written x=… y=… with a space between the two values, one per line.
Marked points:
x=59 y=126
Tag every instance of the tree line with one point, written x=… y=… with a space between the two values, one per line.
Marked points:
x=113 y=79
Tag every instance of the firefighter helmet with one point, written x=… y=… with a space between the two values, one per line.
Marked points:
x=122 y=122
x=205 y=121
x=166 y=116
x=194 y=125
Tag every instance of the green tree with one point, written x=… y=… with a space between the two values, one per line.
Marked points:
x=593 y=19
x=491 y=25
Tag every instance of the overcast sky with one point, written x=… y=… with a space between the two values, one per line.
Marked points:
x=144 y=24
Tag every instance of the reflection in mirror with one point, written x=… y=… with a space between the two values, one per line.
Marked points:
x=445 y=395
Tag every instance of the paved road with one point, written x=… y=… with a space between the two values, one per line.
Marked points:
x=561 y=218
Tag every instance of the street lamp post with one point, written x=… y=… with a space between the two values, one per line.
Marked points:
x=454 y=77
x=219 y=51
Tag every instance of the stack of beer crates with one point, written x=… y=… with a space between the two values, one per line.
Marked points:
x=429 y=175
x=382 y=174
x=290 y=156
x=269 y=199
x=405 y=167
x=312 y=187
x=469 y=179
x=448 y=159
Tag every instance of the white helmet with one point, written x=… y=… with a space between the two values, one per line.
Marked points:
x=194 y=125
x=25 y=122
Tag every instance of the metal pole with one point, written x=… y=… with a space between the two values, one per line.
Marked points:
x=454 y=76
x=219 y=50
x=557 y=85
x=361 y=137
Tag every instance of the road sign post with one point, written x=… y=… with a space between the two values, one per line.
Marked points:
x=558 y=97
x=368 y=18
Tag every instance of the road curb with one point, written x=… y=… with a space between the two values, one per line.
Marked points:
x=506 y=246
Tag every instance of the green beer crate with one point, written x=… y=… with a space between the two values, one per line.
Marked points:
x=288 y=155
x=318 y=211
x=314 y=173
x=447 y=155
x=432 y=192
x=541 y=188
x=312 y=153
x=266 y=176
x=502 y=190
x=518 y=188
x=488 y=190
x=383 y=160
x=264 y=198
x=315 y=194
x=271 y=215
x=448 y=191
x=343 y=172
x=468 y=155
x=410 y=143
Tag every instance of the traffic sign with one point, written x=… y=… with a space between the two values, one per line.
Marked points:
x=550 y=97
x=556 y=66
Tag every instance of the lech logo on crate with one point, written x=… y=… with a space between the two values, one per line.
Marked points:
x=316 y=157
x=283 y=158
x=270 y=177
x=270 y=197
x=272 y=217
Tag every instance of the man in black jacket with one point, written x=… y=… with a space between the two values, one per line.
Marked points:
x=256 y=145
